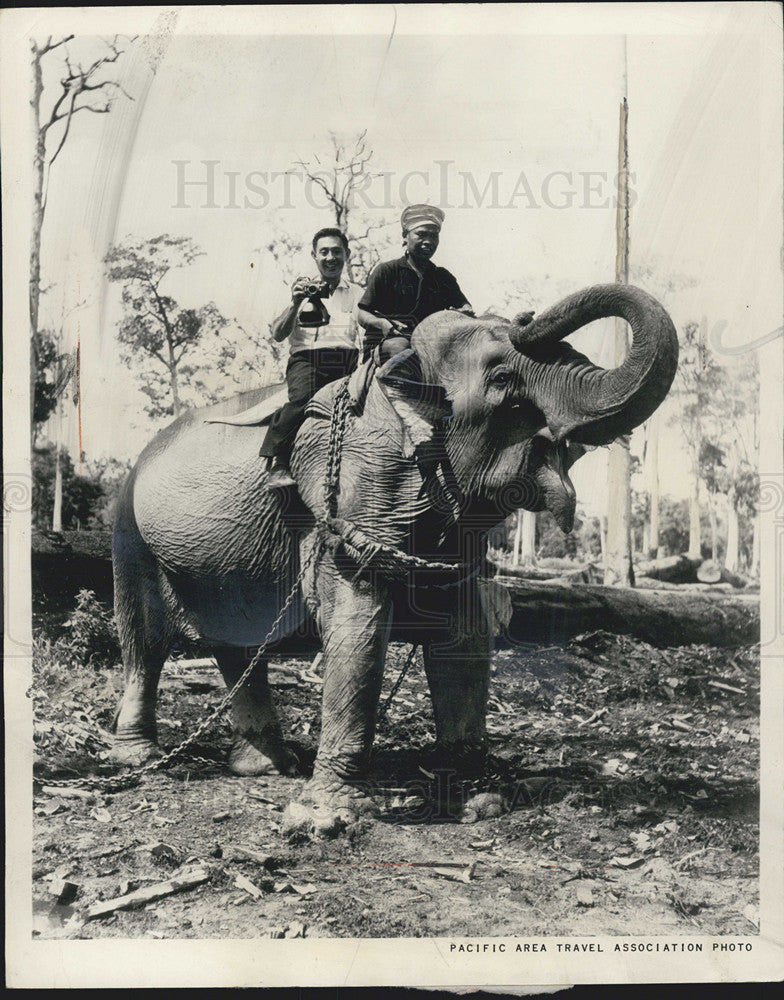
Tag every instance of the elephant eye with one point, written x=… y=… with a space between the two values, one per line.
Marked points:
x=501 y=378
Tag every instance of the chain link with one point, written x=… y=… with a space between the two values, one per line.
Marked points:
x=160 y=762
x=337 y=430
x=396 y=686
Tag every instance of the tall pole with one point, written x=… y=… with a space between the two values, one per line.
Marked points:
x=652 y=460
x=618 y=568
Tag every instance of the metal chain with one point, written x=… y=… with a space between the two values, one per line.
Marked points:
x=337 y=429
x=331 y=490
x=396 y=686
x=159 y=762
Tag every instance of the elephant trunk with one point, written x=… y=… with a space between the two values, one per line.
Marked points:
x=582 y=401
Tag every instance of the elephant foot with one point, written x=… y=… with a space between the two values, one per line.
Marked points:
x=133 y=751
x=485 y=805
x=325 y=810
x=252 y=757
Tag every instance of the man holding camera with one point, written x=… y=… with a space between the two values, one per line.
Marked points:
x=321 y=324
x=401 y=293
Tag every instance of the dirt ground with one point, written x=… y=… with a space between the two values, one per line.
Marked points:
x=630 y=775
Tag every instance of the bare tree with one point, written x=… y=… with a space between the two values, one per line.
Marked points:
x=524 y=551
x=618 y=564
x=343 y=176
x=80 y=88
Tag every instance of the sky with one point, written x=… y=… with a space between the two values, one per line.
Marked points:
x=507 y=119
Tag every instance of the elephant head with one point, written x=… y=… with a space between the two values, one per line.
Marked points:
x=521 y=404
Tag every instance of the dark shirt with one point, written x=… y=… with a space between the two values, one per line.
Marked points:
x=395 y=291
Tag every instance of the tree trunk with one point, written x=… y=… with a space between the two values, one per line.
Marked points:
x=603 y=538
x=695 y=544
x=618 y=565
x=671 y=569
x=527 y=530
x=39 y=160
x=713 y=527
x=755 y=548
x=618 y=556
x=731 y=555
x=548 y=613
x=57 y=506
x=653 y=549
x=57 y=510
x=173 y=378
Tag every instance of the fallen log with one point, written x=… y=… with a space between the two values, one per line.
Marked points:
x=573 y=572
x=672 y=569
x=525 y=571
x=712 y=572
x=552 y=614
x=646 y=583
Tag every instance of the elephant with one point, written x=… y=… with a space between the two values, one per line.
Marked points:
x=481 y=416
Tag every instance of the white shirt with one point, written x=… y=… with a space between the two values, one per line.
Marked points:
x=343 y=329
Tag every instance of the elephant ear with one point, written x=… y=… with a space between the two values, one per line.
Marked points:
x=419 y=405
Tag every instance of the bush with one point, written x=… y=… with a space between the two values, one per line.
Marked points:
x=91 y=637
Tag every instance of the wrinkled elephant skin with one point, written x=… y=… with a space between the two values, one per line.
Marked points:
x=481 y=417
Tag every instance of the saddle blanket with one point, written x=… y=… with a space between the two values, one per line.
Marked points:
x=256 y=415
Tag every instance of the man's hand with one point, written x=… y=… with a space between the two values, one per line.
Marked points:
x=298 y=289
x=375 y=334
x=376 y=328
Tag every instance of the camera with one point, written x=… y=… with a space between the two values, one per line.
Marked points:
x=316 y=288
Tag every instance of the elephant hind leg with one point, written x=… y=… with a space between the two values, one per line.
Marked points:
x=257 y=746
x=145 y=636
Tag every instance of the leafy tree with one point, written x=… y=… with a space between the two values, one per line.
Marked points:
x=552 y=542
x=712 y=471
x=655 y=276
x=111 y=474
x=156 y=329
x=737 y=436
x=641 y=519
x=589 y=540
x=81 y=495
x=46 y=391
x=718 y=418
x=674 y=525
x=696 y=389
x=746 y=500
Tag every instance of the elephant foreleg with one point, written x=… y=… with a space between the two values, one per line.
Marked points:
x=355 y=623
x=257 y=745
x=458 y=673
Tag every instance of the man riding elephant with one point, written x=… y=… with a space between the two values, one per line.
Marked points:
x=401 y=293
x=323 y=347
